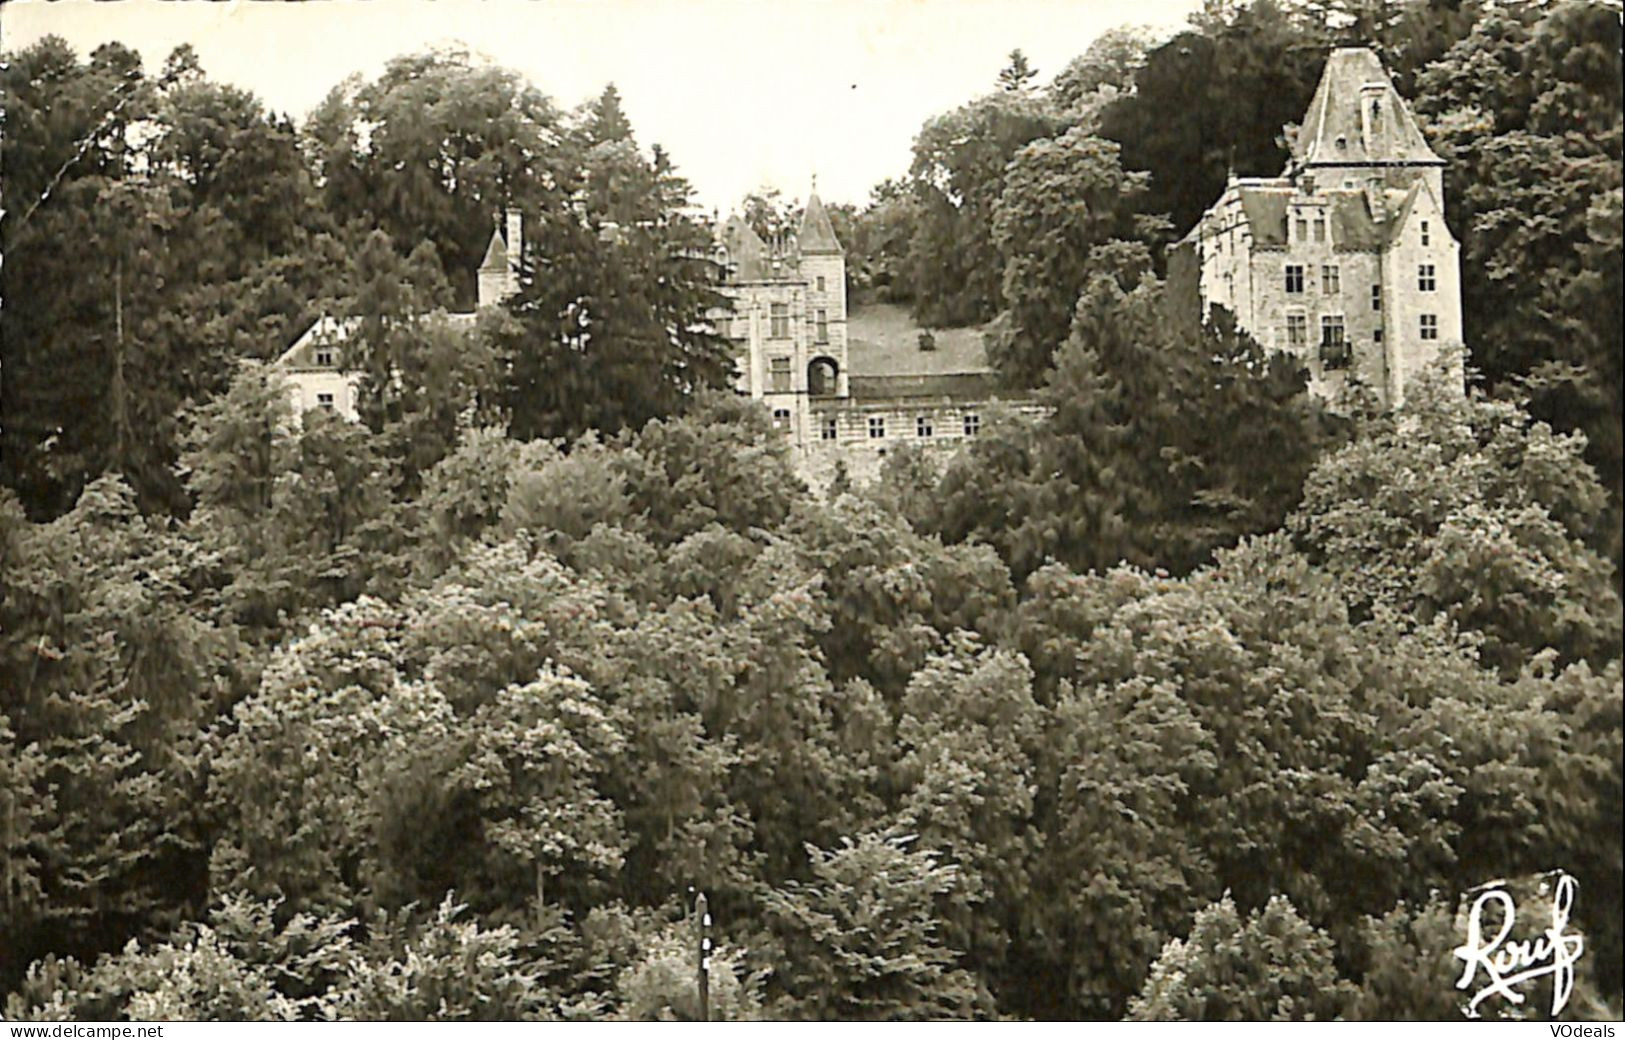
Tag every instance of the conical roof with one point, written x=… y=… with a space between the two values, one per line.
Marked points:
x=817 y=234
x=496 y=253
x=746 y=250
x=1332 y=133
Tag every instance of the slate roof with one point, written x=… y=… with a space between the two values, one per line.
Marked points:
x=817 y=236
x=951 y=387
x=1334 y=115
x=1265 y=210
x=746 y=250
x=496 y=253
x=882 y=341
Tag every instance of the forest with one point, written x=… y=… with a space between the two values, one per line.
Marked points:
x=1196 y=698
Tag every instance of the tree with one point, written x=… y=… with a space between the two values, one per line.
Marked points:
x=1062 y=197
x=1106 y=68
x=1212 y=100
x=722 y=463
x=606 y=121
x=610 y=325
x=1526 y=108
x=1018 y=74
x=956 y=177
x=1273 y=966
x=1140 y=459
x=168 y=229
x=968 y=735
x=431 y=149
x=770 y=214
x=861 y=937
x=110 y=671
x=1469 y=510
x=524 y=791
x=659 y=987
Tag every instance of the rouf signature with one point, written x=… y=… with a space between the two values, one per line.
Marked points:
x=1509 y=964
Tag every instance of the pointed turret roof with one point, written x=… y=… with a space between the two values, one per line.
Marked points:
x=1333 y=130
x=496 y=253
x=817 y=234
x=746 y=250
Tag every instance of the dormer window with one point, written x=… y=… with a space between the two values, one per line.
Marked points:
x=324 y=357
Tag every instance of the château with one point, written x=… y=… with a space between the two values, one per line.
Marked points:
x=1344 y=260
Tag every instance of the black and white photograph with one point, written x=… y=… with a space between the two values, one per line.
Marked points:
x=811 y=511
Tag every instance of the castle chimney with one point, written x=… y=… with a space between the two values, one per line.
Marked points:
x=1376 y=199
x=516 y=246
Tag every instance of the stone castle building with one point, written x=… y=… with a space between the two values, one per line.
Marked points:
x=843 y=388
x=841 y=401
x=1344 y=260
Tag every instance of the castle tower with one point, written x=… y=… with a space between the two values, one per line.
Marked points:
x=1344 y=261
x=499 y=271
x=823 y=268
x=1358 y=130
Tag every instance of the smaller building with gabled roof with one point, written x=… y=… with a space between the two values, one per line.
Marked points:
x=1344 y=260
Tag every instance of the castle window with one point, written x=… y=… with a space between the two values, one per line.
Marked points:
x=877 y=427
x=779 y=321
x=1430 y=326
x=823 y=326
x=1376 y=297
x=922 y=426
x=324 y=400
x=1334 y=349
x=1303 y=228
x=1297 y=330
x=1376 y=335
x=1425 y=237
x=1294 y=278
x=781 y=418
x=820 y=283
x=973 y=424
x=324 y=358
x=778 y=370
x=830 y=428
x=1426 y=279
x=1320 y=229
x=1330 y=280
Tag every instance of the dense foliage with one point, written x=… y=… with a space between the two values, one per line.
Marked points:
x=1194 y=698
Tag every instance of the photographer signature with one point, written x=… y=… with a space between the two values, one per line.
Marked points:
x=1509 y=964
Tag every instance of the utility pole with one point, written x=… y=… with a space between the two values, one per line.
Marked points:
x=702 y=927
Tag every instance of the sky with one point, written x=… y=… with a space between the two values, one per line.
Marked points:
x=743 y=93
